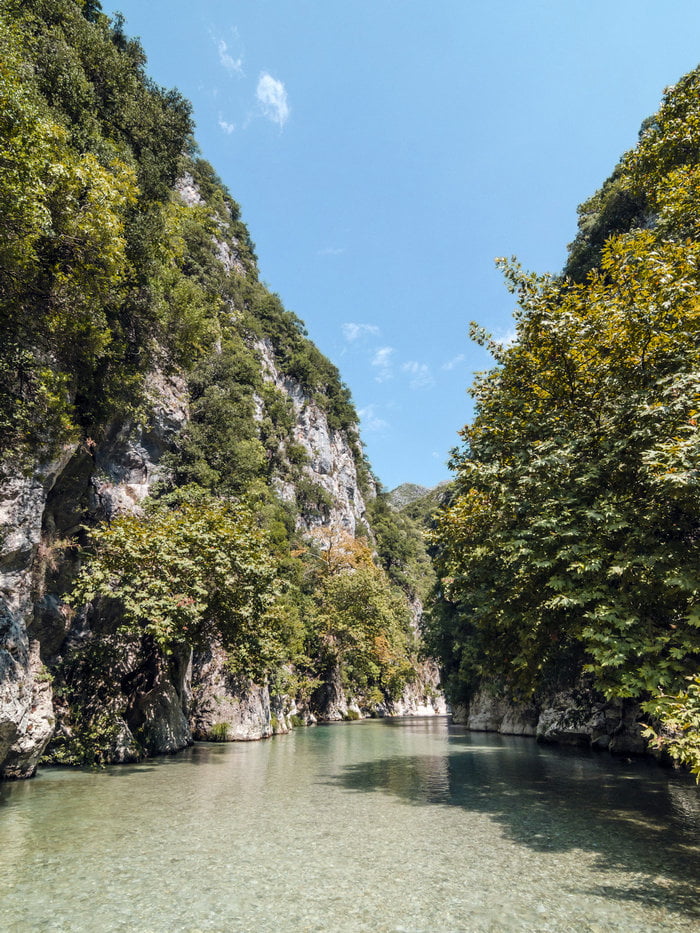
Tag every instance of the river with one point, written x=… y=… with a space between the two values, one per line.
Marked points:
x=381 y=825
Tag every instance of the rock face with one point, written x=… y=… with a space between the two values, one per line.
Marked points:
x=154 y=707
x=224 y=709
x=331 y=461
x=570 y=717
x=138 y=700
x=26 y=716
x=422 y=698
x=40 y=514
x=405 y=494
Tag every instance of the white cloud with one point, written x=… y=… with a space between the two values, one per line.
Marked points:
x=507 y=339
x=383 y=364
x=454 y=362
x=421 y=377
x=353 y=332
x=231 y=64
x=226 y=127
x=332 y=251
x=370 y=420
x=272 y=97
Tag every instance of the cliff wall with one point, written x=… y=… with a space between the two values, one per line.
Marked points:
x=143 y=702
x=140 y=354
x=577 y=716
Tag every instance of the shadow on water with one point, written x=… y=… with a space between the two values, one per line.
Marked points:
x=635 y=817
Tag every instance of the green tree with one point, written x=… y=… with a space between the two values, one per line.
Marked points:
x=190 y=571
x=572 y=541
x=679 y=732
x=360 y=623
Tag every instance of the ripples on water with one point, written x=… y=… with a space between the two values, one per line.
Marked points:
x=392 y=825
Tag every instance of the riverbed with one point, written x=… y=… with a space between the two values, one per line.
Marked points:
x=381 y=825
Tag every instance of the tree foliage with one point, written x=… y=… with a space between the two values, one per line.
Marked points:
x=360 y=624
x=190 y=571
x=401 y=547
x=87 y=147
x=679 y=733
x=573 y=537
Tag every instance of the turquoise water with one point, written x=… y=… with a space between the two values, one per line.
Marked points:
x=389 y=825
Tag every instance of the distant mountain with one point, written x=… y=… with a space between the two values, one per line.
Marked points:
x=405 y=494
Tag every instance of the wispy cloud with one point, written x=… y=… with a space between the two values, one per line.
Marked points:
x=225 y=126
x=382 y=362
x=508 y=338
x=231 y=64
x=454 y=362
x=421 y=377
x=272 y=97
x=332 y=251
x=353 y=332
x=371 y=421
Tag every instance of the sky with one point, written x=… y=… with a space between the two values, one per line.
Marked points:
x=385 y=152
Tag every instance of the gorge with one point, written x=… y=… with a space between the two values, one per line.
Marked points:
x=194 y=544
x=195 y=554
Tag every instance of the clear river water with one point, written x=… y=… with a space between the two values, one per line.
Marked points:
x=381 y=825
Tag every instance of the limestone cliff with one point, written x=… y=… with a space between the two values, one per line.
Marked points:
x=576 y=716
x=149 y=696
x=331 y=460
x=140 y=353
x=41 y=516
x=144 y=702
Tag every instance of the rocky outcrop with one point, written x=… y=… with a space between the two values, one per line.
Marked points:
x=331 y=459
x=406 y=493
x=226 y=708
x=28 y=716
x=329 y=702
x=578 y=716
x=26 y=722
x=157 y=714
x=423 y=697
x=226 y=247
x=129 y=460
x=40 y=516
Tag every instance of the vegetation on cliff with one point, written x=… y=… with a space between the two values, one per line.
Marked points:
x=123 y=255
x=192 y=570
x=572 y=541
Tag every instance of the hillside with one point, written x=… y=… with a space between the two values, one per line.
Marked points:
x=188 y=547
x=404 y=494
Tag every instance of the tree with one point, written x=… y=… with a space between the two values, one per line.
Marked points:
x=360 y=623
x=574 y=539
x=189 y=571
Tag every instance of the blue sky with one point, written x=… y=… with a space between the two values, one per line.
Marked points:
x=384 y=152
